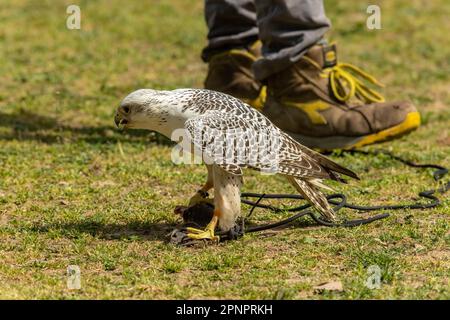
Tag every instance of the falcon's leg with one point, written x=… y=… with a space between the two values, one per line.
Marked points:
x=226 y=203
x=202 y=194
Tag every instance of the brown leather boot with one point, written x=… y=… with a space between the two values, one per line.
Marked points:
x=231 y=72
x=323 y=104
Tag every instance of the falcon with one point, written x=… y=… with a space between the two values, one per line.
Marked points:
x=229 y=135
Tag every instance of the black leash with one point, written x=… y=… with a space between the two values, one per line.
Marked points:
x=338 y=200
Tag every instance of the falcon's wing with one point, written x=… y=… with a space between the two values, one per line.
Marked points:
x=264 y=145
x=211 y=133
x=293 y=153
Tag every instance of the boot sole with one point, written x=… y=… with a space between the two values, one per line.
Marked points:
x=411 y=122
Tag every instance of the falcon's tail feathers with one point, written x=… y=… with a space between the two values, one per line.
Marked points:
x=309 y=191
x=318 y=183
x=330 y=166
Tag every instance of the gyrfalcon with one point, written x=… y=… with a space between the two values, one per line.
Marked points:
x=229 y=135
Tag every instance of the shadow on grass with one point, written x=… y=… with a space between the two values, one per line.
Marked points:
x=144 y=231
x=28 y=125
x=109 y=231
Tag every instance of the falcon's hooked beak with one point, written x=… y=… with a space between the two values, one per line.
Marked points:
x=120 y=120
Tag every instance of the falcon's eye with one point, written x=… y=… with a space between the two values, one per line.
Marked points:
x=126 y=109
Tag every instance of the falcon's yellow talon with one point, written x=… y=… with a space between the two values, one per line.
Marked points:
x=194 y=230
x=207 y=234
x=197 y=198
x=200 y=196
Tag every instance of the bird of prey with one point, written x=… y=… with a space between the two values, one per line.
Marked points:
x=248 y=140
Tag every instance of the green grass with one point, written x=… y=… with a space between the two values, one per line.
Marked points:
x=69 y=196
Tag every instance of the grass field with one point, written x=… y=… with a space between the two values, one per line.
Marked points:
x=68 y=196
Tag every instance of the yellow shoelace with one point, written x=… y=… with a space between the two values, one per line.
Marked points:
x=345 y=84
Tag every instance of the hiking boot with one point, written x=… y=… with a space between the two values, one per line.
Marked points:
x=231 y=72
x=323 y=105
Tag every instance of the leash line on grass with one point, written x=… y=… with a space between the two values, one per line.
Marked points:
x=338 y=200
x=438 y=174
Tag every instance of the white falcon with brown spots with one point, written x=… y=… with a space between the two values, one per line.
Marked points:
x=230 y=135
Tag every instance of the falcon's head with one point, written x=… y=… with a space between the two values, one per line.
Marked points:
x=141 y=109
